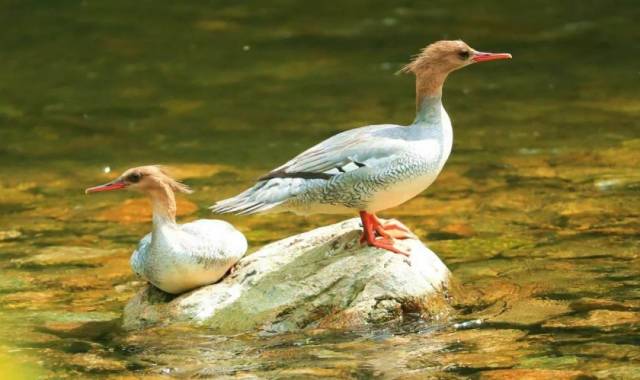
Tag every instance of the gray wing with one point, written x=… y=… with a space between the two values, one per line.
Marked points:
x=366 y=147
x=212 y=242
x=143 y=245
x=345 y=151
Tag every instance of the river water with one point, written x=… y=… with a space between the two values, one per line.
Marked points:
x=536 y=213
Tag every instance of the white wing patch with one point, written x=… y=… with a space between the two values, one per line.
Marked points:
x=350 y=166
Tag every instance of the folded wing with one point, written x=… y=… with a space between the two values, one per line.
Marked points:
x=347 y=151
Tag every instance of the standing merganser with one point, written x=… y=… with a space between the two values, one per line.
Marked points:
x=174 y=257
x=372 y=168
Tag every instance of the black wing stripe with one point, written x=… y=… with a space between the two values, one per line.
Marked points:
x=282 y=173
x=303 y=175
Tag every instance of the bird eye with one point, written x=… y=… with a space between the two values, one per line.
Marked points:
x=463 y=54
x=133 y=177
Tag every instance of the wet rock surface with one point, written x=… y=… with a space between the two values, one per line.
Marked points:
x=322 y=278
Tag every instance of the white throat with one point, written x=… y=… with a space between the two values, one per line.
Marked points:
x=430 y=111
x=163 y=204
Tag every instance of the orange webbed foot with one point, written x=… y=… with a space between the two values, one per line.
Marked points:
x=389 y=245
x=376 y=234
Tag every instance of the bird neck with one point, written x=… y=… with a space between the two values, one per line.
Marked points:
x=429 y=111
x=163 y=202
x=429 y=84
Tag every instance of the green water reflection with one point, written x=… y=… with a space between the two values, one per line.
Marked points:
x=536 y=212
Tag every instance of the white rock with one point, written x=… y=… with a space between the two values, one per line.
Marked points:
x=321 y=278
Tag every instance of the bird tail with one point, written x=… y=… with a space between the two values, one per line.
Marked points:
x=262 y=197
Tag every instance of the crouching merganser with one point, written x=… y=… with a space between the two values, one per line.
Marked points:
x=372 y=168
x=177 y=257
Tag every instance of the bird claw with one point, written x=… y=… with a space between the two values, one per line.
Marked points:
x=386 y=241
x=395 y=225
x=232 y=270
x=394 y=233
x=383 y=233
x=389 y=245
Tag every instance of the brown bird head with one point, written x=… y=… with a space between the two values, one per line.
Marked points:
x=434 y=63
x=146 y=179
x=446 y=56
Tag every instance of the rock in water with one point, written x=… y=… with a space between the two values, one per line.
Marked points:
x=323 y=278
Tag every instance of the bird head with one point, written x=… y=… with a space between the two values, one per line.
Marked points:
x=143 y=178
x=447 y=56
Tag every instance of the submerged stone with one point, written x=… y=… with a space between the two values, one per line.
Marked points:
x=600 y=319
x=196 y=170
x=9 y=235
x=322 y=278
x=61 y=255
x=479 y=348
x=138 y=210
x=534 y=374
x=532 y=311
x=90 y=362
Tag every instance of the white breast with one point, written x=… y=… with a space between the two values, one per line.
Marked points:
x=447 y=137
x=434 y=151
x=177 y=258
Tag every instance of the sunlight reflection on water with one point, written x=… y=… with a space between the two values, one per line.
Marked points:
x=535 y=213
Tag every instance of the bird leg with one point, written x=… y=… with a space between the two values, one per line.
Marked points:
x=368 y=233
x=385 y=239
